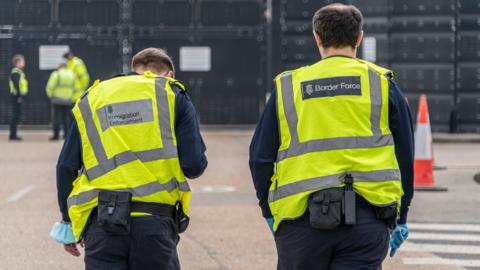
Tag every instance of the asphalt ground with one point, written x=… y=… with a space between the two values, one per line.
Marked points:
x=227 y=230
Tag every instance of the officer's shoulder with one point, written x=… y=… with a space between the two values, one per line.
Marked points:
x=118 y=75
x=380 y=70
x=121 y=77
x=177 y=86
x=95 y=85
x=289 y=72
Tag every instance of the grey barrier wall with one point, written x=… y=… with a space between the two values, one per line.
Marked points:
x=432 y=46
x=228 y=51
x=225 y=75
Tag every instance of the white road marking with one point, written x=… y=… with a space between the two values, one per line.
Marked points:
x=440 y=261
x=445 y=227
x=445 y=236
x=217 y=189
x=441 y=248
x=19 y=194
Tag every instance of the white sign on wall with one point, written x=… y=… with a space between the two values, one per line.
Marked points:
x=50 y=56
x=369 y=49
x=195 y=58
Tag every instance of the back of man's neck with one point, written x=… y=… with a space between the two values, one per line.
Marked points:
x=347 y=52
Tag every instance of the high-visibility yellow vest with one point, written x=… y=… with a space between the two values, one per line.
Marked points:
x=128 y=139
x=23 y=83
x=83 y=78
x=333 y=121
x=61 y=86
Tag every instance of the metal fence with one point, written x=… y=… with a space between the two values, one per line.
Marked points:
x=228 y=37
x=431 y=45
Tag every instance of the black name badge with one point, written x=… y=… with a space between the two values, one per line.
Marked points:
x=330 y=87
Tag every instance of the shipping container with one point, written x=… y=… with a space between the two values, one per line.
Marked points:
x=432 y=46
x=423 y=7
x=422 y=47
x=468 y=77
x=422 y=78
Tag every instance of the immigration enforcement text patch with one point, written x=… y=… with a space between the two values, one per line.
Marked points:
x=125 y=113
x=330 y=87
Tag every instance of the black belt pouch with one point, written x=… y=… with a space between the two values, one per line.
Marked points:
x=181 y=218
x=325 y=208
x=114 y=211
x=389 y=214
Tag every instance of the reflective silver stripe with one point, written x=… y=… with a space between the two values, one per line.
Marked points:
x=335 y=144
x=298 y=148
x=105 y=164
x=92 y=132
x=328 y=181
x=61 y=101
x=375 y=101
x=289 y=107
x=125 y=113
x=140 y=191
x=127 y=157
x=164 y=116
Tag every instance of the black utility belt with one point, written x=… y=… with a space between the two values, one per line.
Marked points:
x=156 y=209
x=333 y=206
x=115 y=208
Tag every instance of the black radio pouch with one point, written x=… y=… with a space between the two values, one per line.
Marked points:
x=181 y=218
x=325 y=207
x=389 y=214
x=114 y=211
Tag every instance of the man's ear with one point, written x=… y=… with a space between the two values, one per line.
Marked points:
x=317 y=39
x=359 y=39
x=171 y=74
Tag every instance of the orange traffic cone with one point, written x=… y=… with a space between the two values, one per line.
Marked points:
x=424 y=179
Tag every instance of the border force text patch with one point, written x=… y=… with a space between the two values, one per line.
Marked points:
x=330 y=87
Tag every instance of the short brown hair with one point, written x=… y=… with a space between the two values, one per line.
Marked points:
x=154 y=58
x=338 y=25
x=16 y=58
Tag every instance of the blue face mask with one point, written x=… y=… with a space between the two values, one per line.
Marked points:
x=62 y=233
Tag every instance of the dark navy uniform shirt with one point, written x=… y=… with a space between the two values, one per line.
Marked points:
x=191 y=150
x=266 y=141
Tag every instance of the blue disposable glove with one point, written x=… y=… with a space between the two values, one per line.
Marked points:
x=397 y=237
x=270 y=223
x=62 y=233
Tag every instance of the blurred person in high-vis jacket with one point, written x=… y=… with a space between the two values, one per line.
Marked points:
x=79 y=68
x=60 y=89
x=18 y=90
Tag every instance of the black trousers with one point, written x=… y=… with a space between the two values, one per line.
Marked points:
x=16 y=114
x=150 y=245
x=61 y=119
x=357 y=247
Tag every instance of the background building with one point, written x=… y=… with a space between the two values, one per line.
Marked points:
x=227 y=51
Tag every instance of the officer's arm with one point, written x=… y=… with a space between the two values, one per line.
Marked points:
x=190 y=145
x=15 y=77
x=52 y=81
x=401 y=125
x=263 y=153
x=82 y=72
x=69 y=163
